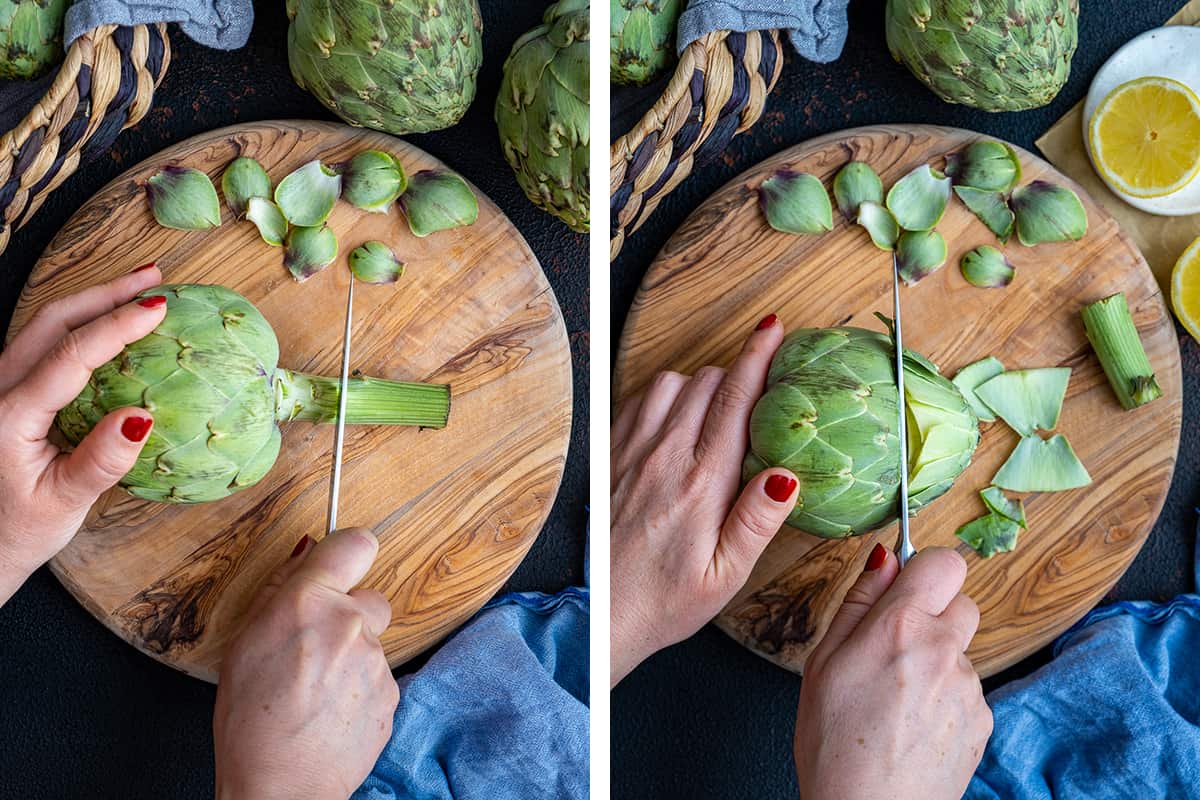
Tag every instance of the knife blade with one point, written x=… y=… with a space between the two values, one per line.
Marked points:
x=339 y=430
x=904 y=548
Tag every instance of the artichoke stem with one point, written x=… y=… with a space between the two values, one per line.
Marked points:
x=1114 y=337
x=369 y=401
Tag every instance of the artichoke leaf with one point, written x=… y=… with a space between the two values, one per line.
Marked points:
x=1042 y=465
x=1027 y=399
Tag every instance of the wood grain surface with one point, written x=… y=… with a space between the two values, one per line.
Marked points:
x=455 y=510
x=725 y=269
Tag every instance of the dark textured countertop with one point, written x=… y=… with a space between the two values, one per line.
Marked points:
x=86 y=715
x=707 y=718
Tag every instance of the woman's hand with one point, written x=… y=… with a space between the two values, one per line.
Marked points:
x=681 y=545
x=305 y=699
x=44 y=493
x=890 y=706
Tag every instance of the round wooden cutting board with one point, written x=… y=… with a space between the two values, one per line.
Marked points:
x=455 y=509
x=725 y=269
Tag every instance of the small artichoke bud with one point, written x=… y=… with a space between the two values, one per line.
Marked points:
x=990 y=166
x=987 y=268
x=437 y=200
x=308 y=251
x=1048 y=213
x=244 y=178
x=306 y=196
x=374 y=262
x=795 y=202
x=184 y=199
x=880 y=223
x=272 y=226
x=855 y=184
x=990 y=207
x=918 y=200
x=919 y=253
x=372 y=181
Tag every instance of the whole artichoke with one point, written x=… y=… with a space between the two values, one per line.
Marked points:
x=830 y=415
x=30 y=37
x=542 y=112
x=994 y=55
x=400 y=66
x=641 y=39
x=208 y=375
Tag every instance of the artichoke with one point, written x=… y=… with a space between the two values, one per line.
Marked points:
x=402 y=66
x=542 y=113
x=208 y=374
x=830 y=415
x=994 y=55
x=641 y=39
x=30 y=37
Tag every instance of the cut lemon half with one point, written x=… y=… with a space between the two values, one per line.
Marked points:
x=1185 y=289
x=1145 y=137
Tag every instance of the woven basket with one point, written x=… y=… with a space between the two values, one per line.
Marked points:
x=718 y=90
x=104 y=86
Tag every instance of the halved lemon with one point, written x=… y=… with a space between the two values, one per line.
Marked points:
x=1145 y=137
x=1185 y=289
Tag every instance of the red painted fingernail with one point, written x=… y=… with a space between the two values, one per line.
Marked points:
x=145 y=267
x=301 y=546
x=779 y=487
x=877 y=557
x=136 y=427
x=766 y=322
x=157 y=301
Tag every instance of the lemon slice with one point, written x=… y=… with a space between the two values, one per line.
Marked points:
x=1185 y=289
x=1145 y=137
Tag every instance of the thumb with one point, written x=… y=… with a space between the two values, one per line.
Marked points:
x=103 y=457
x=878 y=574
x=756 y=517
x=340 y=560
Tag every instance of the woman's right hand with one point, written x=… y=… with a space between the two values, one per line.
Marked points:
x=890 y=705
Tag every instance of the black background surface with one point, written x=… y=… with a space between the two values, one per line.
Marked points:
x=82 y=714
x=707 y=718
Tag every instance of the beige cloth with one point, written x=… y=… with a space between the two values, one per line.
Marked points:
x=1161 y=239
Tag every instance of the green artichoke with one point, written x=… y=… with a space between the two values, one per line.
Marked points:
x=208 y=374
x=995 y=55
x=830 y=415
x=641 y=39
x=401 y=66
x=30 y=37
x=542 y=113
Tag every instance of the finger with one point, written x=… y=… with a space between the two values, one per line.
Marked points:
x=56 y=319
x=929 y=582
x=375 y=608
x=648 y=423
x=340 y=560
x=726 y=429
x=760 y=510
x=879 y=572
x=58 y=378
x=294 y=560
x=962 y=615
x=623 y=425
x=100 y=460
x=691 y=406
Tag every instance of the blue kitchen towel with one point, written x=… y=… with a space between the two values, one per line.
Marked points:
x=500 y=712
x=817 y=28
x=223 y=24
x=1115 y=715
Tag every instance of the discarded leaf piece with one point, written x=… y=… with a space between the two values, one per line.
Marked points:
x=880 y=224
x=436 y=200
x=372 y=181
x=1042 y=465
x=970 y=377
x=242 y=179
x=306 y=196
x=919 y=253
x=184 y=199
x=374 y=262
x=990 y=207
x=990 y=166
x=987 y=268
x=1109 y=327
x=998 y=502
x=272 y=226
x=1048 y=213
x=855 y=184
x=990 y=534
x=308 y=251
x=1027 y=399
x=795 y=202
x=918 y=200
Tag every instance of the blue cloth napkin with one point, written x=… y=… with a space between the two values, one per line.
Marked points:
x=223 y=24
x=499 y=712
x=1115 y=715
x=817 y=28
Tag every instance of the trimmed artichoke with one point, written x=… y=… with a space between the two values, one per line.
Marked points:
x=641 y=39
x=542 y=113
x=830 y=415
x=403 y=66
x=209 y=375
x=30 y=37
x=994 y=55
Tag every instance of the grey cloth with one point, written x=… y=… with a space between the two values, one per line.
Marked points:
x=223 y=24
x=816 y=28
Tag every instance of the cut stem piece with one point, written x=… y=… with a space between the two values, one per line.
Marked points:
x=995 y=499
x=970 y=377
x=1114 y=337
x=990 y=534
x=1042 y=465
x=1027 y=399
